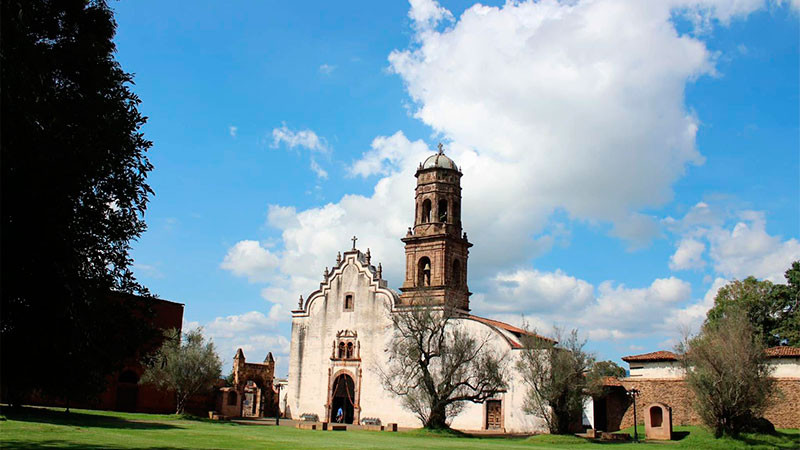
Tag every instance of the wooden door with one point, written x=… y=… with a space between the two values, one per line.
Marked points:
x=494 y=415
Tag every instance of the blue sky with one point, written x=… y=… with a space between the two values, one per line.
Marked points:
x=621 y=160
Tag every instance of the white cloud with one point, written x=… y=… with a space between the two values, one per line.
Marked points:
x=748 y=249
x=307 y=139
x=232 y=130
x=318 y=170
x=249 y=259
x=426 y=14
x=326 y=69
x=688 y=255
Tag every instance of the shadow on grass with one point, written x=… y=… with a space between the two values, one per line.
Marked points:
x=11 y=443
x=777 y=439
x=679 y=435
x=39 y=415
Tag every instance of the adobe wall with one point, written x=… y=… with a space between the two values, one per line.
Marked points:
x=783 y=412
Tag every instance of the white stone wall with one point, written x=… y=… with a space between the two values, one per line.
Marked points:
x=313 y=334
x=785 y=367
x=656 y=369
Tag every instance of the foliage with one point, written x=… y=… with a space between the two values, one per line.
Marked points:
x=602 y=369
x=557 y=377
x=437 y=366
x=186 y=366
x=728 y=372
x=772 y=309
x=73 y=195
x=40 y=428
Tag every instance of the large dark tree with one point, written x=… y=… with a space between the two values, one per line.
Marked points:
x=772 y=309
x=73 y=197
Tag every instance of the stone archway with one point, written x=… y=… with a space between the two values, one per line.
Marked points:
x=343 y=395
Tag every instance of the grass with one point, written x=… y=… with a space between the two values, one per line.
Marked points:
x=37 y=428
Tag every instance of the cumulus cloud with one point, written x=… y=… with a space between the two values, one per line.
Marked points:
x=307 y=139
x=688 y=255
x=249 y=259
x=738 y=243
x=254 y=332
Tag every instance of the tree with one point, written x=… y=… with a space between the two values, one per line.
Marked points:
x=437 y=366
x=73 y=197
x=557 y=376
x=727 y=370
x=602 y=369
x=187 y=366
x=770 y=308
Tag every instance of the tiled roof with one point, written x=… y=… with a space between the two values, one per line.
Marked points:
x=783 y=352
x=612 y=381
x=508 y=327
x=660 y=355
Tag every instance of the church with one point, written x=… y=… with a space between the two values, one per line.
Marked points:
x=342 y=331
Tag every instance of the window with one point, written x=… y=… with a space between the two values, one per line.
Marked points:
x=424 y=272
x=349 y=353
x=426 y=211
x=232 y=398
x=348 y=302
x=442 y=211
x=341 y=350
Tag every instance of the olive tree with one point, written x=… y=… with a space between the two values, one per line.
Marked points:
x=727 y=370
x=437 y=366
x=557 y=375
x=187 y=366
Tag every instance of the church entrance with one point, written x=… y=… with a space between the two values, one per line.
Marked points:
x=494 y=415
x=342 y=397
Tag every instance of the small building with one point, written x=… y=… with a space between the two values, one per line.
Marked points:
x=660 y=378
x=252 y=393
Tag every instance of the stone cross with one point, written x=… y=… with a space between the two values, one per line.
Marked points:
x=441 y=148
x=354 y=242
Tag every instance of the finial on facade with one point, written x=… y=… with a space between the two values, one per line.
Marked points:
x=300 y=302
x=409 y=233
x=441 y=148
x=465 y=235
x=354 y=242
x=325 y=274
x=338 y=258
x=369 y=257
x=380 y=271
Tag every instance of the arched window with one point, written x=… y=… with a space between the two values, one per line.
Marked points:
x=457 y=281
x=442 y=211
x=424 y=272
x=341 y=350
x=349 y=350
x=426 y=211
x=656 y=416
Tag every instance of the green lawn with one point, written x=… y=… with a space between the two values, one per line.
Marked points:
x=51 y=428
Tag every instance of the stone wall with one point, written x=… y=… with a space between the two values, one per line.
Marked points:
x=784 y=410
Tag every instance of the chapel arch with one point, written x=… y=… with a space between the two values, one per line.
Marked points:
x=442 y=211
x=426 y=211
x=457 y=277
x=424 y=272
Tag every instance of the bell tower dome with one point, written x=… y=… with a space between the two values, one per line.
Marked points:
x=436 y=248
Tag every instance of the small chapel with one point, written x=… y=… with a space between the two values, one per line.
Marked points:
x=341 y=331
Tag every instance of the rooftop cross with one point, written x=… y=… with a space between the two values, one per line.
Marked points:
x=354 y=242
x=441 y=148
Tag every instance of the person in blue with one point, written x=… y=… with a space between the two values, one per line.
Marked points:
x=339 y=415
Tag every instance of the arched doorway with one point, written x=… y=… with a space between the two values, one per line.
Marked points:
x=252 y=396
x=343 y=395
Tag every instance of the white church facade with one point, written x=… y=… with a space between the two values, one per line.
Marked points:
x=342 y=331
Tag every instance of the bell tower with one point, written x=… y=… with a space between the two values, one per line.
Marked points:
x=436 y=248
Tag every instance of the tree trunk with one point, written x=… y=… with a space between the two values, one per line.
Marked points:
x=181 y=404
x=437 y=419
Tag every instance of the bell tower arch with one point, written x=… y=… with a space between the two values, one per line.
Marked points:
x=436 y=247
